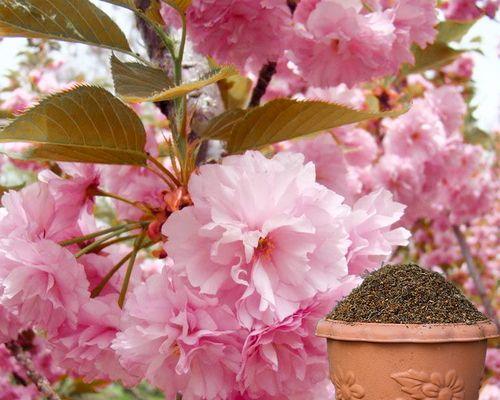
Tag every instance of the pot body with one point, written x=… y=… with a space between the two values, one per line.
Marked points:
x=397 y=371
x=406 y=362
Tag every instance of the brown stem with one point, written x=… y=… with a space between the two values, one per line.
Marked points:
x=25 y=361
x=265 y=76
x=292 y=5
x=157 y=53
x=474 y=273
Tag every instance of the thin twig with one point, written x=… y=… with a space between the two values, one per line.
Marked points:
x=476 y=277
x=128 y=274
x=39 y=380
x=265 y=76
x=163 y=169
x=98 y=289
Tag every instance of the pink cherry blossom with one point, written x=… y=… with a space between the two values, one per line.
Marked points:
x=462 y=10
x=340 y=94
x=419 y=133
x=448 y=103
x=184 y=343
x=343 y=42
x=85 y=349
x=10 y=326
x=261 y=229
x=462 y=67
x=135 y=184
x=370 y=230
x=234 y=31
x=33 y=214
x=491 y=391
x=360 y=147
x=285 y=360
x=332 y=169
x=41 y=282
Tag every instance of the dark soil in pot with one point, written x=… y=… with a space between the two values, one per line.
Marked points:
x=406 y=294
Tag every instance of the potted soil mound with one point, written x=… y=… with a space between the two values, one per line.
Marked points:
x=406 y=334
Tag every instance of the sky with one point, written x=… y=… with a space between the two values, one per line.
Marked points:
x=486 y=73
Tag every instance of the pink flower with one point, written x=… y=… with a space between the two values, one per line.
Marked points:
x=360 y=147
x=462 y=67
x=41 y=282
x=135 y=184
x=247 y=33
x=490 y=392
x=261 y=230
x=336 y=44
x=448 y=103
x=286 y=360
x=418 y=18
x=462 y=10
x=75 y=192
x=85 y=349
x=370 y=231
x=343 y=42
x=340 y=94
x=405 y=179
x=18 y=101
x=285 y=82
x=332 y=169
x=419 y=133
x=33 y=214
x=183 y=343
x=10 y=326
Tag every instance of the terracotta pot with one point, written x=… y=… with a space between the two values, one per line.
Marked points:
x=406 y=362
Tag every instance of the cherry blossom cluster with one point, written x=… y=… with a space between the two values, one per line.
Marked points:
x=327 y=42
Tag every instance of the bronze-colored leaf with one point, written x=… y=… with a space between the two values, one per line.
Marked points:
x=73 y=21
x=434 y=56
x=181 y=5
x=163 y=94
x=133 y=80
x=4 y=114
x=453 y=31
x=235 y=91
x=221 y=126
x=284 y=119
x=84 y=124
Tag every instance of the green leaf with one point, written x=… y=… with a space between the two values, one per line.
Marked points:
x=84 y=124
x=133 y=80
x=282 y=119
x=453 y=31
x=434 y=56
x=162 y=94
x=73 y=21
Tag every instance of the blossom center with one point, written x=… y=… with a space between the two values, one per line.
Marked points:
x=264 y=247
x=415 y=136
x=334 y=45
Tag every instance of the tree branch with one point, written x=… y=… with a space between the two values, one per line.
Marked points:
x=476 y=277
x=25 y=361
x=265 y=76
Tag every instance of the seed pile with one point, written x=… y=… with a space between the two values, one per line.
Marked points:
x=406 y=294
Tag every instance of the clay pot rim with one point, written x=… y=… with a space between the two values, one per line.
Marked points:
x=405 y=333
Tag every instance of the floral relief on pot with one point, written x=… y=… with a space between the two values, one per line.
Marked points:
x=346 y=387
x=433 y=386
